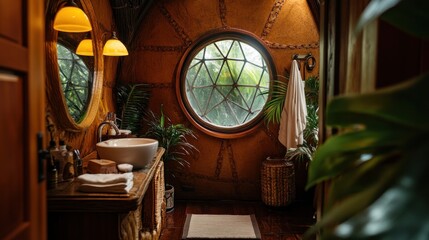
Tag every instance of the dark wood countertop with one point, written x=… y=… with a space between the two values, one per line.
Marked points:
x=66 y=197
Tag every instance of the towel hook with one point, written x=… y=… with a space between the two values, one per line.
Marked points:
x=310 y=62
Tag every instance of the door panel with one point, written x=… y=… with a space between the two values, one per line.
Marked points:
x=12 y=172
x=11 y=17
x=22 y=107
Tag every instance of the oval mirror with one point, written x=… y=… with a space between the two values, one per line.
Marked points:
x=74 y=84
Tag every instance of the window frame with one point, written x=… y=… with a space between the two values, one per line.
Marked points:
x=190 y=53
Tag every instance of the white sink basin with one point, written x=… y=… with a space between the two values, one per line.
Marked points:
x=136 y=151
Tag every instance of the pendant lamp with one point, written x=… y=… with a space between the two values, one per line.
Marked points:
x=71 y=19
x=85 y=47
x=114 y=47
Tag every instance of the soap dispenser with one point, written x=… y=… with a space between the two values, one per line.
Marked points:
x=52 y=165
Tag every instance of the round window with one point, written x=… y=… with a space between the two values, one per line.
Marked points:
x=222 y=83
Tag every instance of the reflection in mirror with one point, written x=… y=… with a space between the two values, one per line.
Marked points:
x=76 y=80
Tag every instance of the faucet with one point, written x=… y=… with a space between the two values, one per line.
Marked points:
x=100 y=129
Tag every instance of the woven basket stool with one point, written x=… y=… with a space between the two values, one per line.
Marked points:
x=277 y=182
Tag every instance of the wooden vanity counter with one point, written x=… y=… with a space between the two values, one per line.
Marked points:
x=135 y=215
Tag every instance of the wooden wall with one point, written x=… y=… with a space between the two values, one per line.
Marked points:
x=407 y=55
x=223 y=169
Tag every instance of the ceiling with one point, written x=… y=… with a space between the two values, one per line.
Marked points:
x=128 y=14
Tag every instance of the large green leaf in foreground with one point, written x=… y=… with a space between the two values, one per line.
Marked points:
x=410 y=16
x=377 y=165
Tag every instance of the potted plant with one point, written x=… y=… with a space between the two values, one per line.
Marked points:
x=173 y=138
x=303 y=154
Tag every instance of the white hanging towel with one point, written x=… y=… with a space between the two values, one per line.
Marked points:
x=294 y=114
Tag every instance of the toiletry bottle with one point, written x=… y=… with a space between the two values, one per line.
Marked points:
x=68 y=173
x=66 y=165
x=53 y=175
x=52 y=168
x=111 y=117
x=59 y=157
x=77 y=162
x=112 y=132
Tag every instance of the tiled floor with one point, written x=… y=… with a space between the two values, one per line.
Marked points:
x=286 y=223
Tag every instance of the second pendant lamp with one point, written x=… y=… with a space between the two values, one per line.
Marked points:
x=114 y=47
x=85 y=47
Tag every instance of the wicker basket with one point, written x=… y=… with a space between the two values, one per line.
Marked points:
x=277 y=182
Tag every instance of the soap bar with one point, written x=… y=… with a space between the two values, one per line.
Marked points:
x=125 y=167
x=102 y=166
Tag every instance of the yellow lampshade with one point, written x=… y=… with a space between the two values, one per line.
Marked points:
x=85 y=48
x=71 y=19
x=114 y=47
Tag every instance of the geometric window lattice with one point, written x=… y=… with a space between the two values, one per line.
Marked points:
x=224 y=84
x=76 y=81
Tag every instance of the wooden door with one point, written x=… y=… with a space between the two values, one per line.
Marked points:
x=22 y=77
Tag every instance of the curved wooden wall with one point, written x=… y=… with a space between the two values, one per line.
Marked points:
x=223 y=168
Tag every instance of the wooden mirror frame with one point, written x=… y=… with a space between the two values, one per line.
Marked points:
x=54 y=90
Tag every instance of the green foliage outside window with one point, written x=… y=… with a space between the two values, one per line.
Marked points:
x=76 y=81
x=224 y=82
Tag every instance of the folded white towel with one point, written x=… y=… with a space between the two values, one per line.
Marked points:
x=107 y=188
x=106 y=178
